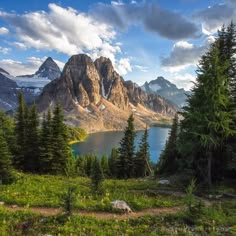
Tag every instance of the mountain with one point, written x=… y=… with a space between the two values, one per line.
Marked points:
x=9 y=92
x=95 y=97
x=166 y=89
x=48 y=70
x=30 y=85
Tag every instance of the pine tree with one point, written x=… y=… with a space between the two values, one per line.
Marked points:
x=113 y=162
x=6 y=169
x=125 y=163
x=46 y=145
x=61 y=148
x=97 y=176
x=105 y=166
x=206 y=120
x=31 y=159
x=168 y=162
x=80 y=166
x=142 y=161
x=20 y=126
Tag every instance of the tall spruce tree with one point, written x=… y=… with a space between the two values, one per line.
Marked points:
x=207 y=123
x=6 y=169
x=125 y=163
x=113 y=162
x=61 y=148
x=20 y=126
x=168 y=163
x=105 y=166
x=31 y=159
x=46 y=145
x=142 y=160
x=97 y=176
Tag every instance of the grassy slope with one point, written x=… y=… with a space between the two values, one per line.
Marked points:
x=33 y=190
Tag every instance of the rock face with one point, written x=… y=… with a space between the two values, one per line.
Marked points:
x=95 y=97
x=166 y=89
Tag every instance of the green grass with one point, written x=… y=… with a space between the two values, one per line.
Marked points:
x=35 y=190
x=214 y=220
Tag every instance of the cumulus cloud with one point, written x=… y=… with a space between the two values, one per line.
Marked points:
x=215 y=16
x=24 y=68
x=166 y=23
x=184 y=54
x=123 y=66
x=182 y=80
x=62 y=29
x=3 y=31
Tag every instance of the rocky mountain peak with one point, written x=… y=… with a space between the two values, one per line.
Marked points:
x=49 y=69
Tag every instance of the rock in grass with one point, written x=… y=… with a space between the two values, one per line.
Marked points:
x=121 y=205
x=164 y=181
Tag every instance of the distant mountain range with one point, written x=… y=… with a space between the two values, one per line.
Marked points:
x=166 y=89
x=93 y=95
x=30 y=85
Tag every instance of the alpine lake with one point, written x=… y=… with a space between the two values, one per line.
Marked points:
x=101 y=143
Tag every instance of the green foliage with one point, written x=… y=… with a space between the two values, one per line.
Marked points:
x=69 y=200
x=105 y=166
x=168 y=163
x=60 y=146
x=112 y=161
x=76 y=134
x=125 y=162
x=97 y=176
x=6 y=169
x=142 y=160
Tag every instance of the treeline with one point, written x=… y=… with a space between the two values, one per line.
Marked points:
x=123 y=162
x=203 y=143
x=32 y=146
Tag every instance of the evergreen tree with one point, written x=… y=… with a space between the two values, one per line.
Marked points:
x=80 y=166
x=105 y=166
x=46 y=145
x=61 y=148
x=168 y=162
x=89 y=161
x=97 y=175
x=6 y=169
x=31 y=159
x=125 y=163
x=142 y=161
x=113 y=162
x=20 y=126
x=206 y=119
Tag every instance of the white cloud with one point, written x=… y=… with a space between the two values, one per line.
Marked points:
x=182 y=80
x=24 y=68
x=213 y=17
x=62 y=29
x=141 y=68
x=19 y=45
x=123 y=66
x=184 y=55
x=3 y=31
x=4 y=50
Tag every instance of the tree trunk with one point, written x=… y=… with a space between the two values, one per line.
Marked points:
x=209 y=180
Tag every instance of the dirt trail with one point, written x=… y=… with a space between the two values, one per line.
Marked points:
x=99 y=215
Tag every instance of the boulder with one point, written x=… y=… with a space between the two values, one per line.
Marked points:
x=121 y=205
x=164 y=181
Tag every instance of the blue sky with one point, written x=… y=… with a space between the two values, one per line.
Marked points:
x=144 y=39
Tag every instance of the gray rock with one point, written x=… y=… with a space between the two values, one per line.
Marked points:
x=164 y=182
x=121 y=205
